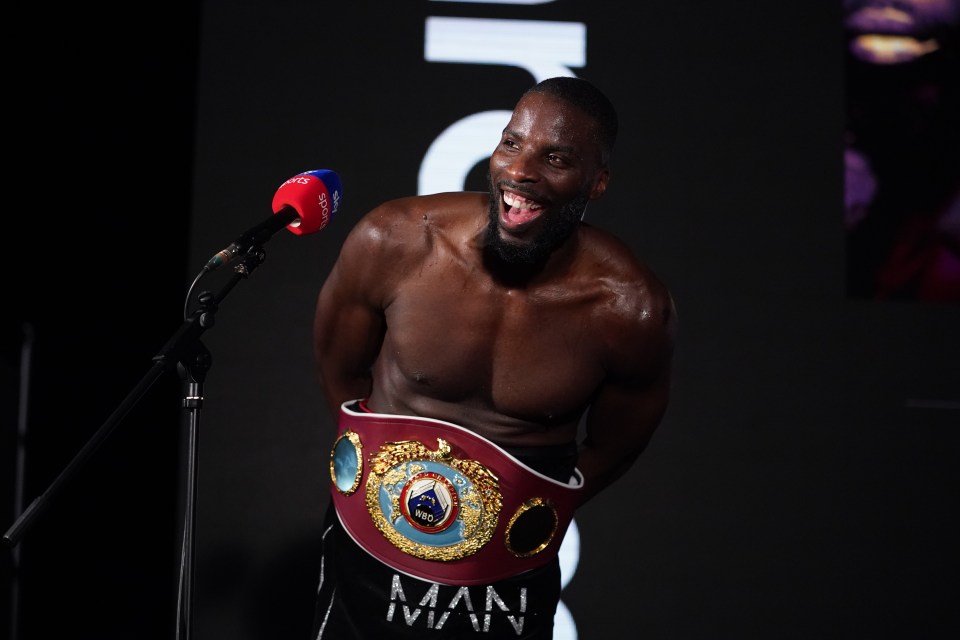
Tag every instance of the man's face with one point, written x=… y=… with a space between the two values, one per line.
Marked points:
x=546 y=168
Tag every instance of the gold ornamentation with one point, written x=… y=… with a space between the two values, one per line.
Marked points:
x=340 y=476
x=540 y=534
x=478 y=490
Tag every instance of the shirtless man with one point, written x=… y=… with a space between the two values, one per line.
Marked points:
x=482 y=327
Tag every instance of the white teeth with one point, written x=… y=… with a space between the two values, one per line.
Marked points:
x=519 y=202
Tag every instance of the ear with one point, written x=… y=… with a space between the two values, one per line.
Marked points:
x=600 y=182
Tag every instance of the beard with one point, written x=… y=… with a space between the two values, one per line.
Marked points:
x=559 y=227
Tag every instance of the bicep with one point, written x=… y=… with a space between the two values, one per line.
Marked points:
x=631 y=402
x=634 y=397
x=347 y=330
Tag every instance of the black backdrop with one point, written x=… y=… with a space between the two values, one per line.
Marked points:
x=802 y=484
x=100 y=133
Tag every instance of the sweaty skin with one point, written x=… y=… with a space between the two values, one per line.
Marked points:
x=421 y=316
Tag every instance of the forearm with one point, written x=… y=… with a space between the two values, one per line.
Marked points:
x=339 y=389
x=619 y=426
x=347 y=339
x=601 y=469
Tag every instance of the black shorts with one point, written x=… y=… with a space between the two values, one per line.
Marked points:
x=361 y=598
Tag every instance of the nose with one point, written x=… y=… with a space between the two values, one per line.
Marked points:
x=523 y=167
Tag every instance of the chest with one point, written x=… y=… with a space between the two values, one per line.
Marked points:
x=456 y=335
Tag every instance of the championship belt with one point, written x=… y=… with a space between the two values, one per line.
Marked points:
x=437 y=501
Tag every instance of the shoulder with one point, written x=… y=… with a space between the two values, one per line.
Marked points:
x=392 y=240
x=405 y=225
x=395 y=238
x=635 y=289
x=640 y=315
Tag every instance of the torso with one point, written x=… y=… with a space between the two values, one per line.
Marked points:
x=518 y=365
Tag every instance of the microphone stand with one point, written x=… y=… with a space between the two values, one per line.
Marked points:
x=192 y=360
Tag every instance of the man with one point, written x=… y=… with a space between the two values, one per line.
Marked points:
x=478 y=329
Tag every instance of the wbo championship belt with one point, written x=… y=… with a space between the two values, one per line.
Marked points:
x=436 y=501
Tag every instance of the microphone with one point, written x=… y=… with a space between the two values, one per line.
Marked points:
x=303 y=204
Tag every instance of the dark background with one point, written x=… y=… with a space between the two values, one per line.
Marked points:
x=100 y=130
x=803 y=484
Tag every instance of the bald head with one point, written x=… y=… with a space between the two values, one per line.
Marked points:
x=585 y=96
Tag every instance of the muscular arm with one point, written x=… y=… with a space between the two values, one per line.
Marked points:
x=348 y=322
x=632 y=401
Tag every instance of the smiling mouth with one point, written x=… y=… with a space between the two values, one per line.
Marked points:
x=519 y=212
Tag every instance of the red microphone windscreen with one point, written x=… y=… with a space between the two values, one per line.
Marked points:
x=315 y=195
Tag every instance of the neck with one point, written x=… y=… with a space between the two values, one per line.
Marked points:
x=521 y=275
